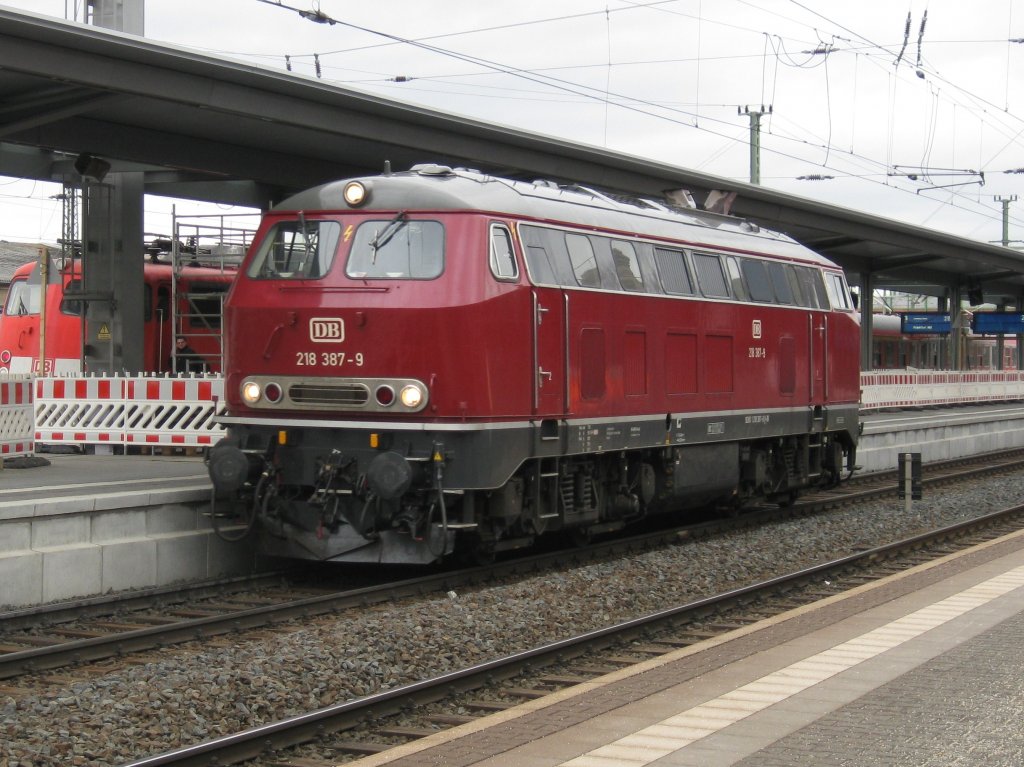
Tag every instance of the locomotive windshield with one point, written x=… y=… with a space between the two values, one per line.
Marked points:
x=22 y=299
x=398 y=249
x=296 y=250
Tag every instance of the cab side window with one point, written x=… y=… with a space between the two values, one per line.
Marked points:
x=838 y=292
x=502 y=256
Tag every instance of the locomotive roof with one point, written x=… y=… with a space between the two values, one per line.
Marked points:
x=440 y=188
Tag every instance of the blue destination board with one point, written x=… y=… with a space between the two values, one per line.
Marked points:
x=925 y=322
x=996 y=323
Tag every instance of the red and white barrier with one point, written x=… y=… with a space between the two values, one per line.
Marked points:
x=79 y=410
x=172 y=411
x=128 y=411
x=16 y=416
x=148 y=411
x=881 y=389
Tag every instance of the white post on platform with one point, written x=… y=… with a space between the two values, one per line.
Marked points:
x=909 y=481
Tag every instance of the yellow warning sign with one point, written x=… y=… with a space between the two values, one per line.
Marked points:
x=104 y=333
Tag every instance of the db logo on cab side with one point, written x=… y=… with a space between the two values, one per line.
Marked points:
x=326 y=330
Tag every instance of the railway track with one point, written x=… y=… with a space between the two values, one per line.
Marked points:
x=86 y=631
x=364 y=726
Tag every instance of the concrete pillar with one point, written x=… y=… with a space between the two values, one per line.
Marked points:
x=112 y=236
x=946 y=355
x=1000 y=342
x=867 y=305
x=113 y=274
x=1020 y=338
x=956 y=335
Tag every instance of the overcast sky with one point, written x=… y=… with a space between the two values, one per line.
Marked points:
x=895 y=120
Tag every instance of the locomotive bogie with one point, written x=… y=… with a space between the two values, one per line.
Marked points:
x=413 y=497
x=434 y=362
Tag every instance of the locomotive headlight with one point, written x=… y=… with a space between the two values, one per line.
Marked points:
x=411 y=396
x=355 y=193
x=251 y=392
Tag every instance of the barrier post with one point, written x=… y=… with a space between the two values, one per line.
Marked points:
x=910 y=479
x=17 y=424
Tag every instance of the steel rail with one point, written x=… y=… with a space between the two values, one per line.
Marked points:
x=37 y=659
x=106 y=604
x=249 y=744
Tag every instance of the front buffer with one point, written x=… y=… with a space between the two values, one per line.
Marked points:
x=359 y=494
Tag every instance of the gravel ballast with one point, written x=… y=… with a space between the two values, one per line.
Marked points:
x=190 y=693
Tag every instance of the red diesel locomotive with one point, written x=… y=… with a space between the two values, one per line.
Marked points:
x=194 y=311
x=442 y=361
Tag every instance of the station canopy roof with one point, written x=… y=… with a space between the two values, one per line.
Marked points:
x=205 y=128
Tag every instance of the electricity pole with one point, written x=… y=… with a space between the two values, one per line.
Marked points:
x=755 y=140
x=1006 y=216
x=1006 y=243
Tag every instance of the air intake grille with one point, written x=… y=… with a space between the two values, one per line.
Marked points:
x=336 y=395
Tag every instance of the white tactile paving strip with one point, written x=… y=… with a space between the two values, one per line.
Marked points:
x=677 y=732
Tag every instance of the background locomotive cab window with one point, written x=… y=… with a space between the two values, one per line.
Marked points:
x=296 y=250
x=69 y=304
x=205 y=304
x=22 y=299
x=503 y=259
x=398 y=249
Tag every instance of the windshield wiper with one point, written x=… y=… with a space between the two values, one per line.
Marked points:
x=384 y=236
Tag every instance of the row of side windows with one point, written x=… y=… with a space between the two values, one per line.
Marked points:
x=569 y=259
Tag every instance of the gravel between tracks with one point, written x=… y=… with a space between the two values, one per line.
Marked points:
x=186 y=694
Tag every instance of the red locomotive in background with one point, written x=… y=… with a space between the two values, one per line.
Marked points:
x=439 y=360
x=185 y=301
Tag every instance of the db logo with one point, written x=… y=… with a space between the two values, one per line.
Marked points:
x=326 y=330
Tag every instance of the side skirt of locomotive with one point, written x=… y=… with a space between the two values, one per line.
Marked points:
x=415 y=493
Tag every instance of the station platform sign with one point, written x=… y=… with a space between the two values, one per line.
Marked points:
x=926 y=322
x=998 y=323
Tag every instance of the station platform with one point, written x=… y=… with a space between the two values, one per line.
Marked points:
x=81 y=525
x=921 y=668
x=938 y=433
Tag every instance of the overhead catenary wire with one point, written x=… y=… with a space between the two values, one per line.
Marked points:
x=620 y=95
x=621 y=100
x=647 y=5
x=797 y=136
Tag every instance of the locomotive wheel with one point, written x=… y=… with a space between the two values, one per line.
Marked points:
x=477 y=552
x=784 y=500
x=483 y=554
x=581 y=536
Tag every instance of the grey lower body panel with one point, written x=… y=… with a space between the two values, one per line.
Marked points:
x=482 y=456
